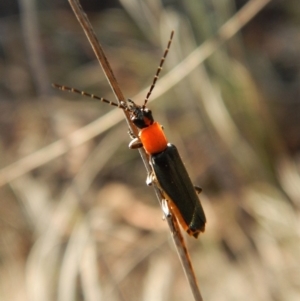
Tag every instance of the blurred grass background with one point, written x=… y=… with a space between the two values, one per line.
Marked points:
x=84 y=226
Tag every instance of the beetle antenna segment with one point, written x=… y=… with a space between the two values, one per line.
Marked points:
x=73 y=90
x=158 y=70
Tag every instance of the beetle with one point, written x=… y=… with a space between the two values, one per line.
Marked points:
x=168 y=170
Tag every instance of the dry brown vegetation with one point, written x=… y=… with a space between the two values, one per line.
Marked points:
x=77 y=221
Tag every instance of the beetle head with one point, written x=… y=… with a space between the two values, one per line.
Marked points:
x=141 y=116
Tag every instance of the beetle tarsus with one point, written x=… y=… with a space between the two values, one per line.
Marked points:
x=131 y=134
x=165 y=208
x=149 y=179
x=198 y=189
x=135 y=143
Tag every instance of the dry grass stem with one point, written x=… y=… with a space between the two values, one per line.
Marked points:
x=86 y=226
x=172 y=222
x=166 y=82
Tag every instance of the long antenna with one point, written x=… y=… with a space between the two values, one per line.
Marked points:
x=158 y=69
x=73 y=90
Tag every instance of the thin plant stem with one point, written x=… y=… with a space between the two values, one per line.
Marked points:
x=97 y=127
x=172 y=222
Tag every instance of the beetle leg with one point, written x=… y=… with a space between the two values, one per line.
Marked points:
x=150 y=178
x=131 y=134
x=165 y=208
x=198 y=189
x=135 y=143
